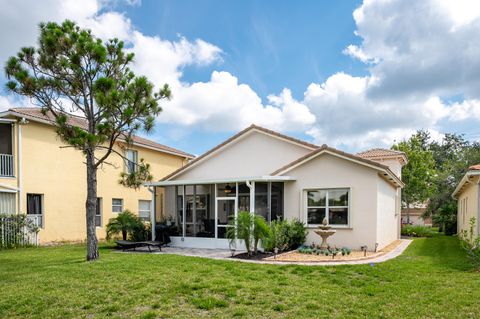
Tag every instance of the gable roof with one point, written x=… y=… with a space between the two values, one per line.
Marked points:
x=382 y=153
x=35 y=114
x=252 y=127
x=473 y=171
x=385 y=170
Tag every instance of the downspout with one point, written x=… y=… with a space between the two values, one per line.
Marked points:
x=251 y=186
x=19 y=165
x=152 y=210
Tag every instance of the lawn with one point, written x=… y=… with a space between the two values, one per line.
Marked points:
x=432 y=279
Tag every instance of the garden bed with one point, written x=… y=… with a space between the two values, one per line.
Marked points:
x=296 y=256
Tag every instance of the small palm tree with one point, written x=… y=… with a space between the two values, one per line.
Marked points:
x=261 y=230
x=241 y=228
x=126 y=222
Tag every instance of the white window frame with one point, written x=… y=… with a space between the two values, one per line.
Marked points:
x=100 y=209
x=114 y=205
x=327 y=206
x=128 y=161
x=40 y=216
x=144 y=211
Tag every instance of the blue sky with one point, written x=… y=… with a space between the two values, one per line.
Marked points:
x=351 y=74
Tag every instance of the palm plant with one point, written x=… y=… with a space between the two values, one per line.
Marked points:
x=261 y=230
x=241 y=228
x=125 y=223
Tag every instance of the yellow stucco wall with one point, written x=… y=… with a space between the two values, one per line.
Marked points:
x=60 y=175
x=468 y=206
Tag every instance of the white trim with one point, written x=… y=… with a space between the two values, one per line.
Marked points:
x=266 y=178
x=2 y=120
x=463 y=181
x=10 y=189
x=393 y=176
x=238 y=138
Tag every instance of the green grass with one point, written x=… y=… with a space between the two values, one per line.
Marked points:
x=432 y=279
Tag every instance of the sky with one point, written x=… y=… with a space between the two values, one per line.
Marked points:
x=350 y=74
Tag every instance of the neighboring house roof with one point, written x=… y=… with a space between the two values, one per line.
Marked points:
x=35 y=114
x=382 y=154
x=473 y=171
x=252 y=127
x=386 y=172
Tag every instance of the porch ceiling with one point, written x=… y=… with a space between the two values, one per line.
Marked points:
x=266 y=178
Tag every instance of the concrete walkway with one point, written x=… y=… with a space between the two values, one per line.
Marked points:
x=223 y=254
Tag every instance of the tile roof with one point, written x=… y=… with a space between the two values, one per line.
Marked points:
x=474 y=167
x=380 y=152
x=36 y=114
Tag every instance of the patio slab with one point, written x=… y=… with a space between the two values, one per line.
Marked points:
x=224 y=254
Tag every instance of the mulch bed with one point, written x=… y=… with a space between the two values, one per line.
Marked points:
x=258 y=256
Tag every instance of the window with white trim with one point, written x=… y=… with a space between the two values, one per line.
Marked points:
x=132 y=161
x=117 y=205
x=144 y=209
x=330 y=203
x=98 y=213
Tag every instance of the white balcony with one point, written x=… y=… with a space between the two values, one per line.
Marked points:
x=6 y=165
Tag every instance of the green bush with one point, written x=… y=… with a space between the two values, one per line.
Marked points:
x=418 y=231
x=285 y=235
x=16 y=231
x=250 y=228
x=471 y=243
x=130 y=226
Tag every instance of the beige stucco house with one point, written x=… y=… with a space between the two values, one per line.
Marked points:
x=40 y=178
x=276 y=176
x=467 y=194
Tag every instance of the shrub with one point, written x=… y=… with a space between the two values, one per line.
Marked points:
x=129 y=225
x=16 y=231
x=251 y=228
x=471 y=243
x=285 y=235
x=417 y=231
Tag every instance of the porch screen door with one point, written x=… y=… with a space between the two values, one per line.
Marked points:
x=226 y=209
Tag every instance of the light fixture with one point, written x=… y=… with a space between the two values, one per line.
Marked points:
x=228 y=189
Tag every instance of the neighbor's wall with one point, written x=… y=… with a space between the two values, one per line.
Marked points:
x=60 y=175
x=468 y=207
x=12 y=181
x=388 y=218
x=327 y=171
x=254 y=154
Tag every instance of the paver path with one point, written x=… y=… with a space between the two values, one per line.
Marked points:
x=224 y=254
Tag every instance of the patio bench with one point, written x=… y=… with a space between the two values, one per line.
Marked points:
x=127 y=244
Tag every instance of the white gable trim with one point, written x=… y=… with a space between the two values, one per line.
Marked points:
x=235 y=140
x=385 y=172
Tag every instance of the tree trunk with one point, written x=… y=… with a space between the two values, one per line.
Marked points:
x=408 y=213
x=124 y=234
x=91 y=207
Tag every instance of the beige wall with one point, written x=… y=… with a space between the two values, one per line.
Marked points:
x=327 y=171
x=254 y=154
x=468 y=206
x=388 y=219
x=60 y=175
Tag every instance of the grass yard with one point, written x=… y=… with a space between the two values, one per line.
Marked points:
x=432 y=279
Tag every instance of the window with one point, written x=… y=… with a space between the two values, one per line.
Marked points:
x=98 y=213
x=144 y=209
x=132 y=160
x=330 y=203
x=117 y=205
x=7 y=203
x=35 y=208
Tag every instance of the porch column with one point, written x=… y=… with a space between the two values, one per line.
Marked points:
x=251 y=186
x=153 y=211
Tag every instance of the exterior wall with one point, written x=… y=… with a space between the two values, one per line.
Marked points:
x=388 y=218
x=60 y=175
x=327 y=171
x=254 y=154
x=468 y=207
x=394 y=165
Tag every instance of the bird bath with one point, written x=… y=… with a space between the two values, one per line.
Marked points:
x=325 y=231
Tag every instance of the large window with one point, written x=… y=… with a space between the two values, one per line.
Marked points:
x=117 y=205
x=144 y=209
x=132 y=161
x=7 y=203
x=330 y=203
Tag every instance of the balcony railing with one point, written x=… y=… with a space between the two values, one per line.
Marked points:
x=6 y=165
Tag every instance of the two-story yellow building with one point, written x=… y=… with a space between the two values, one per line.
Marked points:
x=41 y=177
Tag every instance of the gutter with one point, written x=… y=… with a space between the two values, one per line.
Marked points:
x=152 y=211
x=463 y=181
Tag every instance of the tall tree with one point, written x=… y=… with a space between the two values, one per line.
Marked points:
x=419 y=174
x=72 y=70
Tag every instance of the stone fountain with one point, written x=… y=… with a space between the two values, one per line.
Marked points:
x=324 y=231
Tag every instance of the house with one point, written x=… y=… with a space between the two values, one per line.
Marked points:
x=41 y=177
x=467 y=195
x=414 y=215
x=277 y=176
